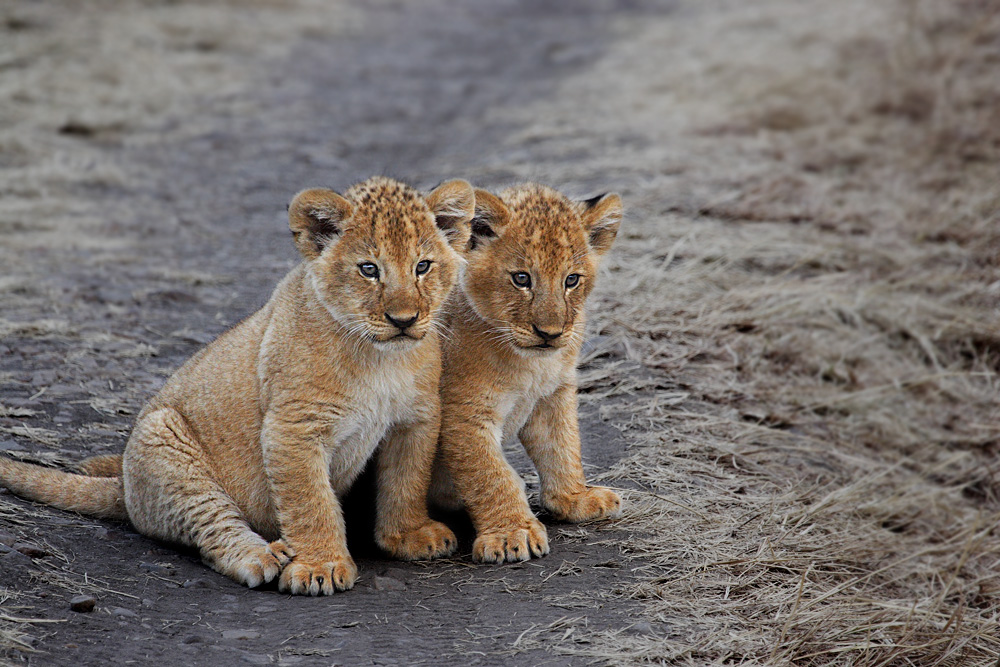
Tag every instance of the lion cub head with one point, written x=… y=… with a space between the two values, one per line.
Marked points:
x=382 y=257
x=532 y=261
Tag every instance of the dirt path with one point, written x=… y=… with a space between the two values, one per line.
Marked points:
x=182 y=233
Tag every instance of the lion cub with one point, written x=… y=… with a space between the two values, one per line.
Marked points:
x=245 y=450
x=510 y=365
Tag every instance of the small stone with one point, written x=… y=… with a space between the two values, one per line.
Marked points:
x=13 y=557
x=122 y=612
x=290 y=660
x=7 y=539
x=265 y=608
x=100 y=532
x=156 y=568
x=198 y=583
x=82 y=603
x=240 y=634
x=389 y=584
x=31 y=550
x=147 y=603
x=193 y=639
x=641 y=628
x=257 y=659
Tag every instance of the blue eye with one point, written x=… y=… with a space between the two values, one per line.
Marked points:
x=368 y=269
x=521 y=279
x=423 y=266
x=572 y=280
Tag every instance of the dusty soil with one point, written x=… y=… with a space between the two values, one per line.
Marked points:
x=796 y=340
x=168 y=225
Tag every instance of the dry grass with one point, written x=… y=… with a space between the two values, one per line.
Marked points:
x=820 y=318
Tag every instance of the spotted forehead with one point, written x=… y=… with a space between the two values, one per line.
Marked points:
x=547 y=225
x=391 y=218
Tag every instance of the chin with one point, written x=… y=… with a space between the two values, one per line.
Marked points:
x=397 y=343
x=533 y=351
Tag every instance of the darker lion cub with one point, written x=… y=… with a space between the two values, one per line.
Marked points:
x=510 y=365
x=245 y=450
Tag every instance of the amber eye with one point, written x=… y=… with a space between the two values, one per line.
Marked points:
x=368 y=269
x=521 y=279
x=423 y=266
x=572 y=280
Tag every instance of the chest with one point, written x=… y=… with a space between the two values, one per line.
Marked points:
x=517 y=405
x=377 y=403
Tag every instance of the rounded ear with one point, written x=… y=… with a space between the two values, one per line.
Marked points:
x=601 y=217
x=453 y=204
x=316 y=217
x=491 y=217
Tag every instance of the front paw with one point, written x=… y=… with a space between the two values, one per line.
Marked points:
x=310 y=577
x=431 y=540
x=511 y=544
x=594 y=502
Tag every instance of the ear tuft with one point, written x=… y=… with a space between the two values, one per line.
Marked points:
x=490 y=218
x=316 y=217
x=601 y=217
x=453 y=203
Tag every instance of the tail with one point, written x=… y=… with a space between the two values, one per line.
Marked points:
x=102 y=497
x=105 y=465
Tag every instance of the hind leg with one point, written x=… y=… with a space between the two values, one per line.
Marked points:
x=171 y=495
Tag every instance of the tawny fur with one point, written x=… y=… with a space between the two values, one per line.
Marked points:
x=503 y=380
x=246 y=449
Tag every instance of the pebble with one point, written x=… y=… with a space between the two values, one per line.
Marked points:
x=194 y=639
x=147 y=603
x=82 y=603
x=641 y=628
x=265 y=608
x=158 y=568
x=31 y=550
x=7 y=539
x=257 y=658
x=240 y=634
x=389 y=584
x=14 y=557
x=198 y=583
x=122 y=612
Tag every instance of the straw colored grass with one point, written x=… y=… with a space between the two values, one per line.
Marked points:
x=804 y=326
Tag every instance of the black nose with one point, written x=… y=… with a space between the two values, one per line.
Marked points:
x=546 y=335
x=400 y=324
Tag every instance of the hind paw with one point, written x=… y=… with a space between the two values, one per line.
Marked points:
x=257 y=565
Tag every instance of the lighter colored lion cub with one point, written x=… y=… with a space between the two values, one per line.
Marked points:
x=245 y=450
x=510 y=365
